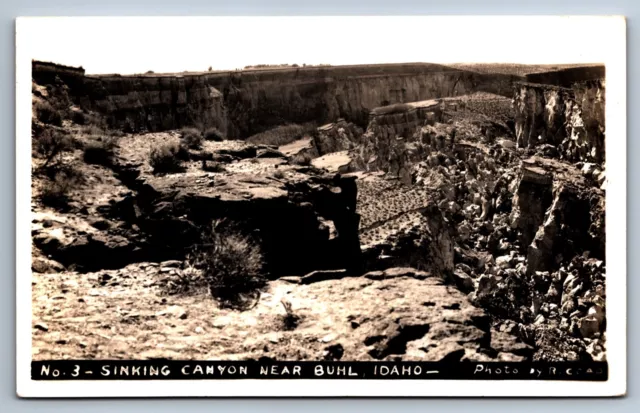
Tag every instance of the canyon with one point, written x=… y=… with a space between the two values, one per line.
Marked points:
x=428 y=213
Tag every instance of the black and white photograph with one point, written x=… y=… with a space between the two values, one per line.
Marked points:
x=351 y=206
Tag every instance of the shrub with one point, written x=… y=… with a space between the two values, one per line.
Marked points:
x=189 y=280
x=191 y=138
x=282 y=135
x=166 y=158
x=54 y=192
x=51 y=144
x=232 y=265
x=213 y=166
x=303 y=159
x=100 y=151
x=278 y=174
x=78 y=117
x=213 y=134
x=47 y=113
x=291 y=320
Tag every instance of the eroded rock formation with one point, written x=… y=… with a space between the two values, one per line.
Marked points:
x=570 y=119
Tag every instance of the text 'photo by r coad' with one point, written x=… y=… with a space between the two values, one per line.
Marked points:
x=259 y=206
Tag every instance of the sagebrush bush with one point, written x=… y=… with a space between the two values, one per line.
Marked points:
x=290 y=320
x=303 y=159
x=511 y=299
x=47 y=113
x=213 y=134
x=78 y=117
x=278 y=174
x=284 y=134
x=50 y=144
x=232 y=265
x=99 y=150
x=54 y=192
x=191 y=138
x=166 y=158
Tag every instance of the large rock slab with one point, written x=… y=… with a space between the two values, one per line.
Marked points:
x=397 y=314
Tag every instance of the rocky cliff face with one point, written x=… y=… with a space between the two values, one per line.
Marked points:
x=243 y=103
x=570 y=119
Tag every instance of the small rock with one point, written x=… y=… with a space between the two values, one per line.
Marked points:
x=333 y=352
x=69 y=284
x=291 y=279
x=329 y=337
x=504 y=261
x=589 y=326
x=588 y=168
x=174 y=310
x=464 y=268
x=486 y=283
x=199 y=330
x=172 y=264
x=463 y=281
x=597 y=312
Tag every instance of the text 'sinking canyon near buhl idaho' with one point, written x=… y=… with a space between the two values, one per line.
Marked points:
x=318 y=221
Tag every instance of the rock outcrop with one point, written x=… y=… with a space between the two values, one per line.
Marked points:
x=570 y=119
x=425 y=244
x=397 y=314
x=286 y=215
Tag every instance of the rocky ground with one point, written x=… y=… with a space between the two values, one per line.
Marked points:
x=447 y=242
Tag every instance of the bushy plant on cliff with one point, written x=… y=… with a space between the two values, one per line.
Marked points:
x=213 y=134
x=166 y=158
x=100 y=149
x=303 y=159
x=54 y=191
x=232 y=265
x=51 y=144
x=47 y=113
x=284 y=134
x=191 y=138
x=78 y=117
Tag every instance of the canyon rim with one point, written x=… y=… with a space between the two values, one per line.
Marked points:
x=383 y=213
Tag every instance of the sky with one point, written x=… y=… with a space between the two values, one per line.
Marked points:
x=175 y=44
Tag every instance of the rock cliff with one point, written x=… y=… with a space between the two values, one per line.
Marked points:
x=242 y=103
x=570 y=119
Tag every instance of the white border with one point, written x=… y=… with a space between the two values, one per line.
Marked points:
x=580 y=39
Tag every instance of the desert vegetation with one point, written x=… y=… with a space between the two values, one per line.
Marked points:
x=191 y=138
x=213 y=134
x=167 y=158
x=232 y=264
x=281 y=135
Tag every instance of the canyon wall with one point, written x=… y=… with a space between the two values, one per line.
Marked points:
x=572 y=119
x=242 y=103
x=568 y=77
